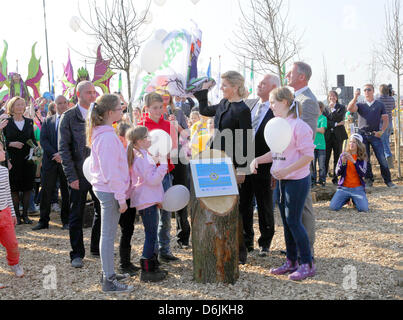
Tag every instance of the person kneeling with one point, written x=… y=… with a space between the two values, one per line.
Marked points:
x=352 y=167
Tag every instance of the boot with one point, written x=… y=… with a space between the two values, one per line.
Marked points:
x=26 y=219
x=157 y=263
x=125 y=265
x=18 y=216
x=149 y=272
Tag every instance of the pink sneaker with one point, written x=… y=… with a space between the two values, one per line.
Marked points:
x=285 y=268
x=303 y=272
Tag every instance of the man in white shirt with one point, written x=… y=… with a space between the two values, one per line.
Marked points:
x=259 y=185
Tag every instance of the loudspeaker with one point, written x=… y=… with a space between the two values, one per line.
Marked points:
x=340 y=81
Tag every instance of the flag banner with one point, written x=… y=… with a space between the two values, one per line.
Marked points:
x=178 y=73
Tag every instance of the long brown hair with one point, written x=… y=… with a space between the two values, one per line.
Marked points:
x=97 y=117
x=361 y=150
x=133 y=136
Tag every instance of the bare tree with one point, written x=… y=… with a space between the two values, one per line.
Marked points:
x=263 y=34
x=325 y=77
x=391 y=56
x=117 y=27
x=373 y=69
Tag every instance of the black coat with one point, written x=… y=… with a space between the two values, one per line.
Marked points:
x=261 y=146
x=49 y=142
x=228 y=118
x=22 y=173
x=72 y=144
x=339 y=133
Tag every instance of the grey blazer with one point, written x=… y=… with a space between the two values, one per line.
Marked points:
x=310 y=109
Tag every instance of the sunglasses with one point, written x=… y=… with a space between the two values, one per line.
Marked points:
x=368 y=89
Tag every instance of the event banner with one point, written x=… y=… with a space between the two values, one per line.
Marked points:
x=178 y=72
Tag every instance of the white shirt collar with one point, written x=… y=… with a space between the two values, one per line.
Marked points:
x=298 y=92
x=84 y=112
x=370 y=103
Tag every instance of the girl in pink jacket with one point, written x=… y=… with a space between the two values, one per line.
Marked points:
x=146 y=195
x=110 y=180
x=291 y=169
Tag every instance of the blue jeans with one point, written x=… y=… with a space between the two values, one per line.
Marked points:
x=344 y=194
x=164 y=227
x=149 y=216
x=293 y=195
x=320 y=157
x=377 y=146
x=110 y=216
x=386 y=141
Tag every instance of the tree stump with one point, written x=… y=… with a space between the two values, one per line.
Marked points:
x=215 y=243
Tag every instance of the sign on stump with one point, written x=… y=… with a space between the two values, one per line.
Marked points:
x=215 y=231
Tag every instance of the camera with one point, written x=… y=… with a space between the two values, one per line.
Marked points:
x=390 y=88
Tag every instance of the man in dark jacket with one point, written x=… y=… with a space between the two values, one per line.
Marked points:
x=52 y=168
x=73 y=151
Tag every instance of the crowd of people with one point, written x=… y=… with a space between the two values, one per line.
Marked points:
x=44 y=145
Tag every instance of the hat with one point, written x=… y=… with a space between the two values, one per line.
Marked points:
x=358 y=137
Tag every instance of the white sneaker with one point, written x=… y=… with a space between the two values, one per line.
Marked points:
x=17 y=269
x=55 y=207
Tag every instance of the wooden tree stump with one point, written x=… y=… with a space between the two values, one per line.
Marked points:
x=215 y=231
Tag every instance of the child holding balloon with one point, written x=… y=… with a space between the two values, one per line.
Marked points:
x=155 y=121
x=146 y=196
x=291 y=169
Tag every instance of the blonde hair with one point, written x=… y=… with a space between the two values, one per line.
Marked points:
x=284 y=93
x=132 y=137
x=361 y=149
x=236 y=80
x=11 y=103
x=102 y=105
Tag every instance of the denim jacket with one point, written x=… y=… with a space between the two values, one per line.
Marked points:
x=341 y=170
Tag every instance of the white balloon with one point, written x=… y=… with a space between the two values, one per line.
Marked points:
x=338 y=90
x=86 y=169
x=161 y=143
x=152 y=56
x=160 y=34
x=176 y=198
x=195 y=1
x=160 y=2
x=75 y=23
x=277 y=134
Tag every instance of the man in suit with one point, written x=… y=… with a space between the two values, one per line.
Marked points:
x=73 y=151
x=259 y=185
x=298 y=78
x=186 y=105
x=52 y=168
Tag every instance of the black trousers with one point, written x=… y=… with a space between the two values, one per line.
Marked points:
x=126 y=223
x=332 y=144
x=49 y=182
x=181 y=176
x=259 y=187
x=78 y=199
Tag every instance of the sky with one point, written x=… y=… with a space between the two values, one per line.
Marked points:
x=345 y=32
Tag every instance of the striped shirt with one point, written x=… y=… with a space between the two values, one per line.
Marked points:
x=389 y=103
x=5 y=193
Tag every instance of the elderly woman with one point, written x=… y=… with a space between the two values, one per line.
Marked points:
x=17 y=133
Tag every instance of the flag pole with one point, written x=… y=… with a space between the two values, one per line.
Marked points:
x=46 y=38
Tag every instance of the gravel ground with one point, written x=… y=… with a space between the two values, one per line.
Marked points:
x=357 y=257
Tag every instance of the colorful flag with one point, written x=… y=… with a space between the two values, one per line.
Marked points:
x=252 y=79
x=209 y=70
x=120 y=83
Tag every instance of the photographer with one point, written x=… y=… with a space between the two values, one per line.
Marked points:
x=387 y=99
x=370 y=115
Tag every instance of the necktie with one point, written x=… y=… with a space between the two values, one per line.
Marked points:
x=256 y=121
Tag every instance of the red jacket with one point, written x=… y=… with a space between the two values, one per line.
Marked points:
x=168 y=128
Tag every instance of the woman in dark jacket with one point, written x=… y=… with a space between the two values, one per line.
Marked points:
x=232 y=121
x=335 y=133
x=17 y=133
